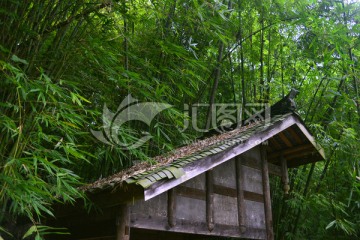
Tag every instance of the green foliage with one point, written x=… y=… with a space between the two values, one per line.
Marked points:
x=61 y=61
x=41 y=123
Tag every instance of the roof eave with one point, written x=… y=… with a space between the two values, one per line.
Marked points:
x=212 y=161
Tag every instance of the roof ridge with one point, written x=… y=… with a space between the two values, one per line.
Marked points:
x=169 y=165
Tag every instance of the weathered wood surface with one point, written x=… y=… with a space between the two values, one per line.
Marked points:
x=184 y=226
x=240 y=194
x=210 y=200
x=267 y=197
x=171 y=207
x=252 y=180
x=123 y=223
x=220 y=190
x=225 y=210
x=256 y=163
x=285 y=175
x=143 y=234
x=193 y=210
x=254 y=214
x=153 y=207
x=225 y=175
x=197 y=182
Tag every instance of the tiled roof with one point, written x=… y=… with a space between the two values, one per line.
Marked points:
x=171 y=165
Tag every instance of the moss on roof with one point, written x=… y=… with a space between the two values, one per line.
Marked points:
x=171 y=165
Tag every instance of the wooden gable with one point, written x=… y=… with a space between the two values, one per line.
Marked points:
x=208 y=203
x=218 y=187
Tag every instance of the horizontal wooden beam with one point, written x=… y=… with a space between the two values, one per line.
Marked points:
x=185 y=226
x=255 y=163
x=105 y=229
x=144 y=234
x=123 y=194
x=289 y=151
x=301 y=155
x=221 y=190
x=230 y=192
x=189 y=192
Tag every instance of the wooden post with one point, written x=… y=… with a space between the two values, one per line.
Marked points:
x=240 y=194
x=210 y=200
x=267 y=197
x=171 y=207
x=284 y=175
x=123 y=223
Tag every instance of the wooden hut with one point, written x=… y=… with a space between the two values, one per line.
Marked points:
x=216 y=187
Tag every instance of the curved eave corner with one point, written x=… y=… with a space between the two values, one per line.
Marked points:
x=147 y=179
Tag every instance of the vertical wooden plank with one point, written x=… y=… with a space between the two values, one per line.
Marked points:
x=267 y=197
x=210 y=200
x=284 y=175
x=171 y=207
x=123 y=223
x=240 y=194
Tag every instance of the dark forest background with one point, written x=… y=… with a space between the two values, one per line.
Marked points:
x=62 y=60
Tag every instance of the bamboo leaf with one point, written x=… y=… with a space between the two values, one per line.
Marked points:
x=33 y=229
x=17 y=59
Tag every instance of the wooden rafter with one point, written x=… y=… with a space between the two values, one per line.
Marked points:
x=285 y=139
x=290 y=151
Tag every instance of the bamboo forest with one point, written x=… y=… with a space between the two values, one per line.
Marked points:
x=66 y=65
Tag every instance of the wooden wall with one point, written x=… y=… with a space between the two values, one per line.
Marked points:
x=215 y=203
x=226 y=201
